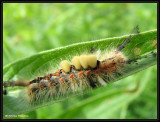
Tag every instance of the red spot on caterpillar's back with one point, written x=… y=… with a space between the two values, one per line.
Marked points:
x=62 y=79
x=58 y=74
x=80 y=73
x=88 y=72
x=97 y=71
x=71 y=76
x=50 y=83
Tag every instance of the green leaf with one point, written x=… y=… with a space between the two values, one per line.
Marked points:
x=47 y=61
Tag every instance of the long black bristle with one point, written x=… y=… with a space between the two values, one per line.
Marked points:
x=127 y=40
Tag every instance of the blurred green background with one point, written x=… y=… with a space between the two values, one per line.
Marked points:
x=29 y=28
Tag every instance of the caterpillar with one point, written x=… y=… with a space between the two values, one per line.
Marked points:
x=87 y=71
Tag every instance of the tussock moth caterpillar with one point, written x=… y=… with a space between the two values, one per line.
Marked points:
x=86 y=72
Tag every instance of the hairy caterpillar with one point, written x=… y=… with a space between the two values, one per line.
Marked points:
x=86 y=72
